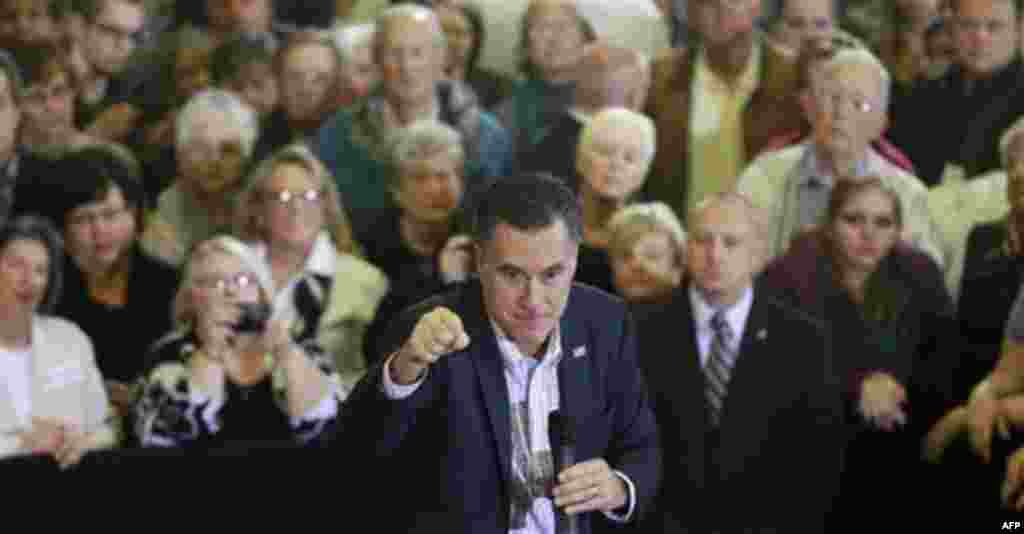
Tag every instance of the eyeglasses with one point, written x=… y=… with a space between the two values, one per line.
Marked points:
x=237 y=282
x=105 y=216
x=838 y=98
x=287 y=197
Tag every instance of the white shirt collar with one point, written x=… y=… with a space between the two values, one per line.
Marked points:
x=511 y=355
x=322 y=260
x=736 y=315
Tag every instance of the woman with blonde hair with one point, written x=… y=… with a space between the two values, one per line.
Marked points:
x=231 y=371
x=292 y=215
x=647 y=248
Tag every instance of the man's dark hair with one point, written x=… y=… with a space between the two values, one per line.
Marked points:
x=96 y=170
x=527 y=202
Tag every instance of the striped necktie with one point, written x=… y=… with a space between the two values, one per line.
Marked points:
x=719 y=365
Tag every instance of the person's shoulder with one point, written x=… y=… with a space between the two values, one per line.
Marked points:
x=899 y=178
x=768 y=172
x=993 y=232
x=918 y=270
x=64 y=330
x=669 y=60
x=155 y=268
x=361 y=276
x=799 y=325
x=336 y=127
x=591 y=301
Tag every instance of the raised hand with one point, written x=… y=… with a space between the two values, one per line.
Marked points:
x=438 y=333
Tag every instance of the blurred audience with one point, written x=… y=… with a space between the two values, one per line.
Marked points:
x=409 y=48
x=794 y=184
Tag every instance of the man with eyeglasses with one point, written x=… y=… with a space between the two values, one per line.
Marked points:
x=104 y=38
x=978 y=96
x=717 y=104
x=848 y=97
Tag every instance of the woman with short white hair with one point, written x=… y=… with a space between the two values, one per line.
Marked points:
x=215 y=134
x=415 y=244
x=615 y=151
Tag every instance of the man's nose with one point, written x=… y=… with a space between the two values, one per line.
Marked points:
x=533 y=298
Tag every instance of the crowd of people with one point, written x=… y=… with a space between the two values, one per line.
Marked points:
x=713 y=245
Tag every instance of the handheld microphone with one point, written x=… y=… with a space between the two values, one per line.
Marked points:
x=562 y=434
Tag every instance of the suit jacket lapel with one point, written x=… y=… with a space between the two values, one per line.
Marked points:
x=747 y=373
x=575 y=393
x=490 y=372
x=690 y=362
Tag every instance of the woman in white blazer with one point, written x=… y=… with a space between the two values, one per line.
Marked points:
x=52 y=399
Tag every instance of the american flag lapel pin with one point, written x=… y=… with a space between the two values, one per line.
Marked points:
x=579 y=352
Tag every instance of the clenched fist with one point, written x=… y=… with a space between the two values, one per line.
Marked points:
x=438 y=333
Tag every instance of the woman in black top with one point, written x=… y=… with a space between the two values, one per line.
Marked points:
x=894 y=334
x=118 y=294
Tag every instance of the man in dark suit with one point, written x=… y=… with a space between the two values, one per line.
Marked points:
x=458 y=411
x=742 y=388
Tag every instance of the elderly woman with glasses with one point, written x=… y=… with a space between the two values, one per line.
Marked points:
x=52 y=400
x=292 y=215
x=231 y=371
